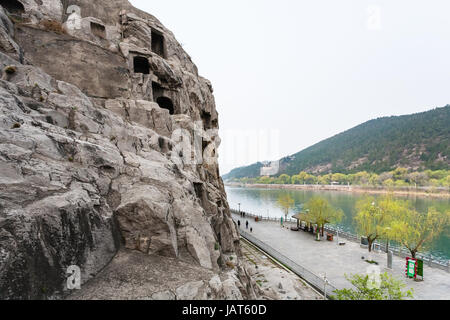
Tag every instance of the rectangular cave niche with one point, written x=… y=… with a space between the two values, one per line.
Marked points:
x=200 y=192
x=206 y=118
x=141 y=65
x=98 y=30
x=158 y=43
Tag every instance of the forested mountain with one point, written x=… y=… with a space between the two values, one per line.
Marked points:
x=417 y=142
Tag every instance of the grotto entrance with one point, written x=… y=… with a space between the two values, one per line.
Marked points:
x=99 y=30
x=166 y=103
x=206 y=117
x=13 y=6
x=158 y=43
x=141 y=65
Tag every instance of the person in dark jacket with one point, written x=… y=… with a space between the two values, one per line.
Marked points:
x=239 y=223
x=246 y=224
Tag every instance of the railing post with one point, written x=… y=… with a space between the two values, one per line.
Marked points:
x=390 y=258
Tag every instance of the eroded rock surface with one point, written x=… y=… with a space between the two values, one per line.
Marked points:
x=96 y=98
x=134 y=276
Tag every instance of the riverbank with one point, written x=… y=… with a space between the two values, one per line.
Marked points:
x=327 y=258
x=420 y=192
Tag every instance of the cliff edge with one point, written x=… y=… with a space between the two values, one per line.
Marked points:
x=108 y=141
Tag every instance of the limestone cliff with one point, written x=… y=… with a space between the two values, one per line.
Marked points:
x=99 y=106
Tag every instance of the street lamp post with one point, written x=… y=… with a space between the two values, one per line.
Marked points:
x=325 y=282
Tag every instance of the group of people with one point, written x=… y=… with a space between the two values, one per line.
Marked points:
x=246 y=225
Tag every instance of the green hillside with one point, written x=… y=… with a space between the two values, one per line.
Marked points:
x=417 y=142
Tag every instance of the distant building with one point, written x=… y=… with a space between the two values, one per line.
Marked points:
x=270 y=168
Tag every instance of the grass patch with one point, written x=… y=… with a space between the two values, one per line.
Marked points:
x=249 y=259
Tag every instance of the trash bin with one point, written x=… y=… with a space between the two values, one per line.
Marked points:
x=330 y=237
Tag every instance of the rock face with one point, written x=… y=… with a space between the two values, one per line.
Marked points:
x=108 y=139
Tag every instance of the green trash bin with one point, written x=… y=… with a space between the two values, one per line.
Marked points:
x=420 y=268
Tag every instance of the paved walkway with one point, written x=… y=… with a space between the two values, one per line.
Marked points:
x=327 y=257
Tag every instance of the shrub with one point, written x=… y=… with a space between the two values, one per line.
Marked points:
x=364 y=288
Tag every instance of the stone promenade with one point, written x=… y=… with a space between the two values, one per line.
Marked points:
x=324 y=257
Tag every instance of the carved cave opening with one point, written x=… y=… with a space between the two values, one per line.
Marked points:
x=141 y=65
x=166 y=103
x=200 y=192
x=13 y=6
x=158 y=43
x=163 y=101
x=98 y=30
x=206 y=117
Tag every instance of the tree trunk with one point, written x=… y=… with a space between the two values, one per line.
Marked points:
x=323 y=230
x=370 y=244
x=413 y=253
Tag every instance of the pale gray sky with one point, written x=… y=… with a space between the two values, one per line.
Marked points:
x=308 y=70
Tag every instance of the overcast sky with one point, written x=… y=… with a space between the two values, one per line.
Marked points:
x=290 y=73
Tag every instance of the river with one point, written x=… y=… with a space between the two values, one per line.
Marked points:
x=264 y=202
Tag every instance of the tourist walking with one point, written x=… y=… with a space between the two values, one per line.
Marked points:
x=251 y=230
x=239 y=223
x=246 y=225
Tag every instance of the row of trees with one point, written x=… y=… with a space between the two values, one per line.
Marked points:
x=389 y=219
x=380 y=219
x=400 y=177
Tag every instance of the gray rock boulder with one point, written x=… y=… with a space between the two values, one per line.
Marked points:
x=101 y=111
